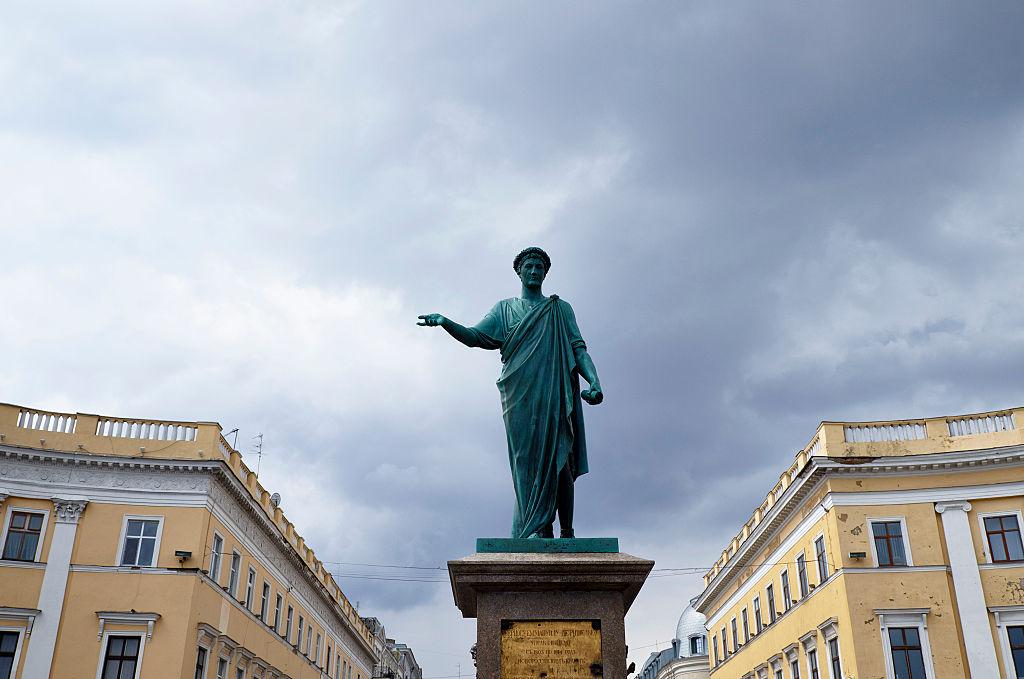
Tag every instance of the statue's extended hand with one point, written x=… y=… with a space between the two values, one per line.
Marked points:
x=430 y=319
x=593 y=396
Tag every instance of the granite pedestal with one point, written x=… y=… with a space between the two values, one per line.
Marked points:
x=556 y=584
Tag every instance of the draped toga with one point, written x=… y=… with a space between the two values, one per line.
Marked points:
x=540 y=398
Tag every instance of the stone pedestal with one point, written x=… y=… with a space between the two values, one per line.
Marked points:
x=528 y=593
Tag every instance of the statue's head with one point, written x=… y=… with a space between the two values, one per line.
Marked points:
x=532 y=265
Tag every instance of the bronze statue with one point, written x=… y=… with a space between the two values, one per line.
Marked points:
x=542 y=353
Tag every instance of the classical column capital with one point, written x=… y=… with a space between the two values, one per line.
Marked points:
x=68 y=511
x=961 y=505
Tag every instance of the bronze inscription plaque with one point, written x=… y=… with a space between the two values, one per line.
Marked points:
x=551 y=649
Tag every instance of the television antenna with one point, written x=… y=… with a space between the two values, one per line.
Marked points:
x=258 y=447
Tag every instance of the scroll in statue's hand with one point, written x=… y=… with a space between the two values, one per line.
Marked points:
x=593 y=396
x=430 y=320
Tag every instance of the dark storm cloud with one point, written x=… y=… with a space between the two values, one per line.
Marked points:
x=764 y=216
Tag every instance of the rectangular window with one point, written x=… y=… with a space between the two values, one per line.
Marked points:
x=239 y=673
x=23 y=536
x=714 y=647
x=278 y=602
x=746 y=626
x=288 y=625
x=316 y=656
x=298 y=640
x=1016 y=635
x=812 y=663
x=821 y=558
x=215 y=557
x=697 y=645
x=1003 y=533
x=888 y=537
x=265 y=602
x=771 y=603
x=327 y=669
x=236 y=567
x=250 y=588
x=140 y=540
x=758 y=625
x=8 y=649
x=778 y=673
x=787 y=599
x=801 y=575
x=725 y=646
x=121 y=659
x=222 y=669
x=309 y=639
x=201 y=663
x=337 y=666
x=735 y=635
x=907 y=658
x=833 y=658
x=794 y=669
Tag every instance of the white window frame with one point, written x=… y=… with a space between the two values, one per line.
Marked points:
x=278 y=609
x=984 y=534
x=227 y=667
x=1007 y=616
x=791 y=654
x=42 y=529
x=250 y=588
x=786 y=590
x=216 y=557
x=829 y=631
x=801 y=555
x=906 y=617
x=758 y=617
x=21 y=632
x=903 y=531
x=817 y=567
x=206 y=665
x=104 y=640
x=124 y=535
x=319 y=643
x=265 y=600
x=810 y=643
x=234 y=574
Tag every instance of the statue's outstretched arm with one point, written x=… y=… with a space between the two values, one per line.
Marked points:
x=459 y=332
x=585 y=365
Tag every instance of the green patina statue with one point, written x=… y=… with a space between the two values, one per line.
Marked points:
x=542 y=353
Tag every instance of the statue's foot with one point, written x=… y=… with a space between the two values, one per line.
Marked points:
x=546 y=532
x=567 y=533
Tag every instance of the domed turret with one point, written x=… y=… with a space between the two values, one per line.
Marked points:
x=691 y=633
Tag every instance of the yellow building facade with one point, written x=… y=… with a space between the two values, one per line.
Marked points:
x=887 y=549
x=140 y=549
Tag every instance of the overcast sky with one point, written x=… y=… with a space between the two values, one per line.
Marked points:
x=764 y=214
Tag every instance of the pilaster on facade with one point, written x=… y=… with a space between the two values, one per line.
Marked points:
x=970 y=596
x=39 y=656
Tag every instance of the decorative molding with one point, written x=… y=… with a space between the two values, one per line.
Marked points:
x=816 y=468
x=961 y=505
x=829 y=628
x=68 y=511
x=10 y=563
x=127 y=618
x=195 y=483
x=25 y=615
x=809 y=640
x=895 y=569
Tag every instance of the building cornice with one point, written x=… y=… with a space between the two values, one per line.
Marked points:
x=811 y=476
x=138 y=480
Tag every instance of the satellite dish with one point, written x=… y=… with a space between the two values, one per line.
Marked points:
x=275 y=500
